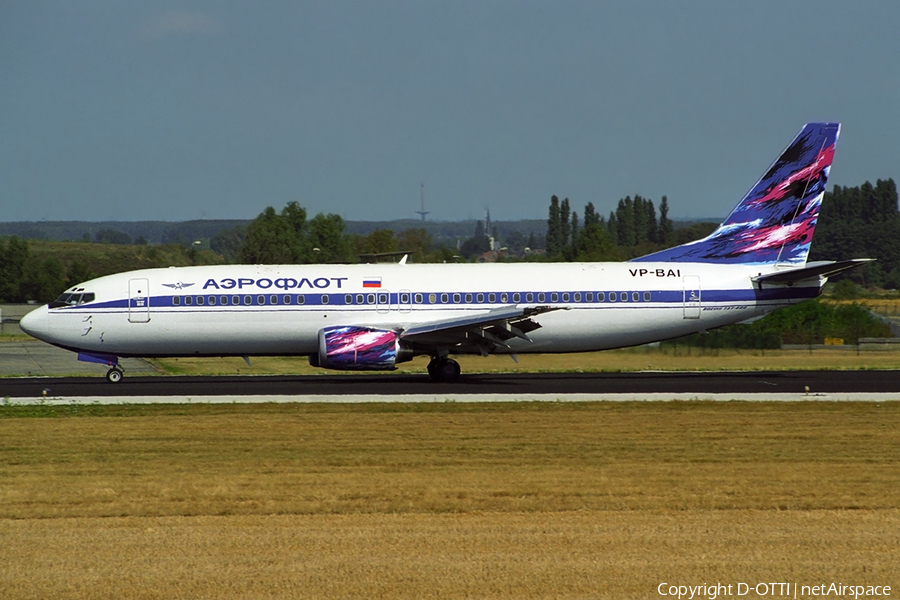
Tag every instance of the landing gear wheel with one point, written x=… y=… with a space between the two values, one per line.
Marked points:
x=114 y=375
x=443 y=369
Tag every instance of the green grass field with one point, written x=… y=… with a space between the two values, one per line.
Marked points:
x=595 y=500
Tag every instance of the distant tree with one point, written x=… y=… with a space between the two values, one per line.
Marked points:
x=326 y=232
x=476 y=245
x=378 y=241
x=289 y=238
x=111 y=236
x=595 y=244
x=652 y=224
x=665 y=227
x=13 y=259
x=625 y=222
x=274 y=239
x=43 y=280
x=612 y=226
x=228 y=243
x=554 y=228
x=78 y=272
x=565 y=226
x=570 y=250
x=417 y=242
x=861 y=222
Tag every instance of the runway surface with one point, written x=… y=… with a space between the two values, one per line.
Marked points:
x=778 y=385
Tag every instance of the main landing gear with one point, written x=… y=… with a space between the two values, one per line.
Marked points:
x=443 y=369
x=115 y=374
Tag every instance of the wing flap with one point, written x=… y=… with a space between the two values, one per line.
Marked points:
x=487 y=331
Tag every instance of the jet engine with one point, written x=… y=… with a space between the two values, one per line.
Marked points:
x=352 y=348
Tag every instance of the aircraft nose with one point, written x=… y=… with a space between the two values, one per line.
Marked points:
x=36 y=323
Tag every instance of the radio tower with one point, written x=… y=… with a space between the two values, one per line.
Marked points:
x=422 y=212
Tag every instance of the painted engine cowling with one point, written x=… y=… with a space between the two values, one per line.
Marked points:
x=354 y=348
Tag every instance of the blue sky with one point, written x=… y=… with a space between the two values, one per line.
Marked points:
x=172 y=111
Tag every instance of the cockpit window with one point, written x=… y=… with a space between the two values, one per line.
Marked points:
x=73 y=299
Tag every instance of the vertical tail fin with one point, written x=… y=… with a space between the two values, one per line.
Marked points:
x=775 y=221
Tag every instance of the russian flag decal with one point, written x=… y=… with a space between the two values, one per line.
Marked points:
x=372 y=282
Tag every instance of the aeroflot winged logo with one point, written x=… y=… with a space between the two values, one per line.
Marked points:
x=178 y=286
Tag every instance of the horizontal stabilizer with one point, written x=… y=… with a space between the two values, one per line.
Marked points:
x=824 y=268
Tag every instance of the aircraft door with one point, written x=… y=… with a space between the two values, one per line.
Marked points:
x=138 y=300
x=692 y=304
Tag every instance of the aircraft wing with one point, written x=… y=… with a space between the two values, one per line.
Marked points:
x=486 y=331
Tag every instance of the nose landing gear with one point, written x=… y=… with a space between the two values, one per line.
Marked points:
x=443 y=369
x=115 y=374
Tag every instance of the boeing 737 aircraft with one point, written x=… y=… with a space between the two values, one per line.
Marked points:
x=373 y=316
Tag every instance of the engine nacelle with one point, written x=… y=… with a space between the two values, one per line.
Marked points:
x=353 y=348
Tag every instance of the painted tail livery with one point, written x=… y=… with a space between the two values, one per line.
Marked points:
x=775 y=221
x=372 y=317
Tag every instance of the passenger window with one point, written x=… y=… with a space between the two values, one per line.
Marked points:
x=503 y=297
x=404 y=298
x=492 y=297
x=445 y=298
x=456 y=298
x=235 y=300
x=432 y=298
x=211 y=300
x=199 y=300
x=635 y=297
x=646 y=296
x=480 y=298
x=360 y=299
x=468 y=298
x=541 y=296
x=418 y=298
x=382 y=298
x=601 y=296
x=301 y=299
x=554 y=297
x=223 y=300
x=529 y=297
x=324 y=298
x=576 y=298
x=589 y=296
x=516 y=297
x=612 y=296
x=176 y=301
x=348 y=299
x=248 y=300
x=623 y=296
x=260 y=300
x=370 y=299
x=286 y=298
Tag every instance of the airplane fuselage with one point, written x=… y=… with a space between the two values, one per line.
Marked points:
x=249 y=310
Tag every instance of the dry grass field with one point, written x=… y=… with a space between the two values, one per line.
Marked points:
x=445 y=501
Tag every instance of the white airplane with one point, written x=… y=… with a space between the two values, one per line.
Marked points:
x=373 y=316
